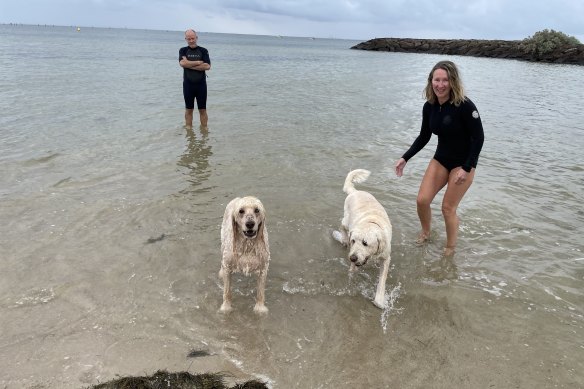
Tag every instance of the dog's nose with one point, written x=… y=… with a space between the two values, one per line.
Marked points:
x=249 y=225
x=353 y=258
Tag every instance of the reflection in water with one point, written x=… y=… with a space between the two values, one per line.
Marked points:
x=442 y=270
x=196 y=157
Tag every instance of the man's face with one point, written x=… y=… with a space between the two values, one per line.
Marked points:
x=191 y=39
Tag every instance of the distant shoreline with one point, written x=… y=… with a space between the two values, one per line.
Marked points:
x=572 y=54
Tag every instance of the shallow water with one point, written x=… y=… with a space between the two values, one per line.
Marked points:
x=111 y=213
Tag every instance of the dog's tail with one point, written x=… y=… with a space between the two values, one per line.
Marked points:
x=358 y=175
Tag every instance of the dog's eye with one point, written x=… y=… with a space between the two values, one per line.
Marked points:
x=241 y=211
x=352 y=241
x=257 y=210
x=365 y=243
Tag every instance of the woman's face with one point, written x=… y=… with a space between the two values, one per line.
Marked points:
x=441 y=85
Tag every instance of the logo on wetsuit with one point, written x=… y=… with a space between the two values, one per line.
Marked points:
x=475 y=114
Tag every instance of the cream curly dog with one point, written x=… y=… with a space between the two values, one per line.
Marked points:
x=366 y=230
x=245 y=248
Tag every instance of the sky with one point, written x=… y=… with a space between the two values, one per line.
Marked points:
x=346 y=19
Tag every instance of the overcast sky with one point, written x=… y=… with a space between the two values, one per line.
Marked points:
x=352 y=19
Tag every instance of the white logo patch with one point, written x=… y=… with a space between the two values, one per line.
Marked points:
x=475 y=114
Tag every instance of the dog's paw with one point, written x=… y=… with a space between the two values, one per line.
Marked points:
x=379 y=303
x=260 y=308
x=338 y=236
x=225 y=307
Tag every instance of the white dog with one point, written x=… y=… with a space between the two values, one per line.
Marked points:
x=366 y=230
x=244 y=246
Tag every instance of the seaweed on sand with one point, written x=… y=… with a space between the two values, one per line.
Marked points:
x=181 y=380
x=198 y=353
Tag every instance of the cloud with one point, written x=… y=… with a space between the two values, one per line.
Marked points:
x=357 y=19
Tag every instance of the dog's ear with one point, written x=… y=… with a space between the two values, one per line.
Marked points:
x=261 y=230
x=381 y=244
x=262 y=222
x=234 y=224
x=262 y=237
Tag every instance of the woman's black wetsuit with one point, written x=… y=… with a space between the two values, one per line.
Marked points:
x=459 y=130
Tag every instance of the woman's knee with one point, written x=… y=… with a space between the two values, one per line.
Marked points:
x=423 y=201
x=448 y=210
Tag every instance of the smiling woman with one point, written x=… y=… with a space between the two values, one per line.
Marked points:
x=452 y=116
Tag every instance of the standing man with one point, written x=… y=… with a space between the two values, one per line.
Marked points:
x=195 y=61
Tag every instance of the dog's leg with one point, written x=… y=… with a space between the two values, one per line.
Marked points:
x=260 y=306
x=341 y=236
x=380 y=293
x=344 y=235
x=345 y=228
x=225 y=274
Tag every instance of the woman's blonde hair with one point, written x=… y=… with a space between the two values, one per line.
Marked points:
x=456 y=89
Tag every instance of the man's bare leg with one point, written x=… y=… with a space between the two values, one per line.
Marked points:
x=203 y=116
x=189 y=118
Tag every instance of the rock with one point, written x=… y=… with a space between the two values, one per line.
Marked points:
x=567 y=54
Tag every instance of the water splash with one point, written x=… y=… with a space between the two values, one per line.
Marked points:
x=388 y=306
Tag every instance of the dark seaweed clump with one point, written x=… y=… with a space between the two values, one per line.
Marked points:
x=181 y=380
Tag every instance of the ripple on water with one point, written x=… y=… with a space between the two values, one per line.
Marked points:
x=35 y=297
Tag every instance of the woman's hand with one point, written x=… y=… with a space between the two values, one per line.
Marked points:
x=460 y=176
x=399 y=167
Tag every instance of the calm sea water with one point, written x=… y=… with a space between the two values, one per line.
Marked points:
x=110 y=215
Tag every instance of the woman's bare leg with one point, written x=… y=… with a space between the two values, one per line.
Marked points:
x=452 y=197
x=435 y=178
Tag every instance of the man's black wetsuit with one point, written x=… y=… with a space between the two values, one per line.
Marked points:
x=459 y=130
x=194 y=81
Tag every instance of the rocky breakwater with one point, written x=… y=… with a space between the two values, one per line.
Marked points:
x=564 y=54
